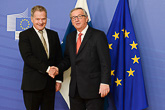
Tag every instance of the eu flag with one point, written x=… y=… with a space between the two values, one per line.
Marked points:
x=127 y=89
x=23 y=24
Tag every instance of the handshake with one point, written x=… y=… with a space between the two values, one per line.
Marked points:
x=53 y=71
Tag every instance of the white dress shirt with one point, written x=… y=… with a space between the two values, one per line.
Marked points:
x=83 y=33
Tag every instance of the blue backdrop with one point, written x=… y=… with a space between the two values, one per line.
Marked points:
x=148 y=20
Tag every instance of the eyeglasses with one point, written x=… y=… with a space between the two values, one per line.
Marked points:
x=79 y=17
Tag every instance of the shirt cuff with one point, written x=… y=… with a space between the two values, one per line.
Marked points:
x=58 y=81
x=104 y=84
x=48 y=69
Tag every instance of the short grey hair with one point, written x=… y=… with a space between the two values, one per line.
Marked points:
x=37 y=8
x=79 y=8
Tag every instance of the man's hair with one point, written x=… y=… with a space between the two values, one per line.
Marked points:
x=38 y=8
x=85 y=13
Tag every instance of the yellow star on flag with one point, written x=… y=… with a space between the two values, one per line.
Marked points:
x=118 y=82
x=125 y=33
x=131 y=72
x=135 y=59
x=133 y=45
x=112 y=72
x=110 y=46
x=116 y=35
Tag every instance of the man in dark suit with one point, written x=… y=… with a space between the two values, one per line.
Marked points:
x=87 y=53
x=41 y=52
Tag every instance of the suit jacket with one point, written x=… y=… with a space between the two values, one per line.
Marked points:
x=91 y=66
x=36 y=61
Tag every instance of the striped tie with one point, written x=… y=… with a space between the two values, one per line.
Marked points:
x=44 y=43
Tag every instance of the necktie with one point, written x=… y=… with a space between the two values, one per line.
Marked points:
x=44 y=43
x=78 y=42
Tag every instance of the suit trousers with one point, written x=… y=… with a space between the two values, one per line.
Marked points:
x=43 y=99
x=78 y=103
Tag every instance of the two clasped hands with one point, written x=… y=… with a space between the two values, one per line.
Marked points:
x=53 y=71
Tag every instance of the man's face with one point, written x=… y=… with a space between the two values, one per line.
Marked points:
x=39 y=20
x=79 y=20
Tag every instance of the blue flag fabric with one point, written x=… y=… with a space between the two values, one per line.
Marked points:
x=70 y=29
x=127 y=89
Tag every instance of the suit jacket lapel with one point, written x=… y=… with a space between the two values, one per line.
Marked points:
x=36 y=37
x=86 y=38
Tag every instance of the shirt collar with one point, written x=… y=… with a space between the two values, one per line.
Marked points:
x=44 y=30
x=84 y=31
